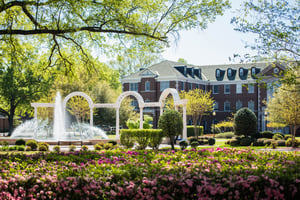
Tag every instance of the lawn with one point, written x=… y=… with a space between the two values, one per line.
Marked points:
x=215 y=173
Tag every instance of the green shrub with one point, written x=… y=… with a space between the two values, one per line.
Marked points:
x=20 y=148
x=194 y=144
x=190 y=130
x=234 y=142
x=43 y=146
x=28 y=148
x=4 y=148
x=211 y=141
x=289 y=143
x=84 y=148
x=56 y=148
x=225 y=135
x=192 y=139
x=108 y=146
x=286 y=137
x=246 y=141
x=4 y=143
x=72 y=147
x=245 y=122
x=20 y=142
x=266 y=134
x=141 y=136
x=171 y=124
x=183 y=144
x=278 y=136
x=98 y=146
x=274 y=145
x=113 y=142
x=280 y=143
x=155 y=138
x=268 y=141
x=127 y=138
x=259 y=142
x=12 y=148
x=33 y=144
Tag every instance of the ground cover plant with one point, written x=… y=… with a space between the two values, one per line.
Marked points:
x=221 y=173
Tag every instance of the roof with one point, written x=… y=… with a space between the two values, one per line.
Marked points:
x=167 y=69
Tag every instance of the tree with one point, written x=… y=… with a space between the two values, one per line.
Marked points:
x=276 y=24
x=102 y=24
x=135 y=124
x=79 y=107
x=20 y=80
x=199 y=103
x=284 y=107
x=171 y=124
x=245 y=122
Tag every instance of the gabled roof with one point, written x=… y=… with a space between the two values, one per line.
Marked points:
x=169 y=69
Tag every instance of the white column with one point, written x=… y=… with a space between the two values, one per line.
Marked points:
x=117 y=124
x=35 y=113
x=91 y=117
x=141 y=117
x=176 y=108
x=184 y=134
x=161 y=111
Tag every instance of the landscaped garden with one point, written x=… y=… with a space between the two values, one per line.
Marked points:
x=220 y=173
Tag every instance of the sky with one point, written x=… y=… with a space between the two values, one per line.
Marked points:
x=212 y=46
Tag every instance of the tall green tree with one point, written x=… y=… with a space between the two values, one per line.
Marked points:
x=284 y=107
x=20 y=80
x=275 y=23
x=102 y=24
x=199 y=103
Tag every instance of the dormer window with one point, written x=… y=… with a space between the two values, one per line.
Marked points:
x=185 y=71
x=241 y=72
x=253 y=71
x=229 y=72
x=218 y=73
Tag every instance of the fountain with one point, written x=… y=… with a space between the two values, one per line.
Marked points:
x=41 y=130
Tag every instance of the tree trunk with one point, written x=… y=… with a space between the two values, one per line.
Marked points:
x=11 y=121
x=172 y=137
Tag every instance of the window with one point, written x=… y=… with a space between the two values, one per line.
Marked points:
x=238 y=88
x=229 y=72
x=135 y=104
x=218 y=73
x=238 y=105
x=216 y=106
x=227 y=106
x=226 y=89
x=133 y=87
x=250 y=88
x=241 y=72
x=182 y=85
x=215 y=89
x=190 y=86
x=164 y=85
x=197 y=86
x=251 y=105
x=147 y=86
x=253 y=71
x=204 y=87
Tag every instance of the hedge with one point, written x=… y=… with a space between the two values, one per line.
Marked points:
x=190 y=130
x=143 y=137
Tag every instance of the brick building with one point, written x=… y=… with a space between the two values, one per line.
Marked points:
x=233 y=86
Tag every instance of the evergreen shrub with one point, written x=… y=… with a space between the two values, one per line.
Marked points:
x=20 y=142
x=32 y=144
x=245 y=122
x=190 y=130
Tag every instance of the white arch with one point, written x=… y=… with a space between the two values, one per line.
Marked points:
x=130 y=93
x=84 y=95
x=168 y=91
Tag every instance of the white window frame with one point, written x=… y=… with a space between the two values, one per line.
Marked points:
x=182 y=86
x=134 y=86
x=251 y=105
x=216 y=106
x=239 y=88
x=238 y=105
x=218 y=74
x=226 y=92
x=226 y=110
x=251 y=88
x=190 y=86
x=164 y=85
x=147 y=86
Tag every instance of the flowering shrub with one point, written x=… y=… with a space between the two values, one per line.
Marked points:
x=219 y=173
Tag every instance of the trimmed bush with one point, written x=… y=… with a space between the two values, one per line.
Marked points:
x=259 y=142
x=280 y=143
x=27 y=148
x=72 y=148
x=43 y=146
x=56 y=148
x=268 y=141
x=246 y=141
x=127 y=138
x=99 y=146
x=288 y=143
x=183 y=144
x=84 y=148
x=194 y=144
x=4 y=143
x=20 y=148
x=12 y=148
x=32 y=144
x=211 y=141
x=245 y=122
x=192 y=139
x=234 y=142
x=226 y=135
x=286 y=137
x=108 y=146
x=155 y=138
x=266 y=134
x=20 y=142
x=190 y=130
x=113 y=142
x=278 y=136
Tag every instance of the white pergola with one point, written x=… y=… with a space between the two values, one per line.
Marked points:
x=117 y=105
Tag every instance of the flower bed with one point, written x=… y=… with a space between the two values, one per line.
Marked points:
x=123 y=174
